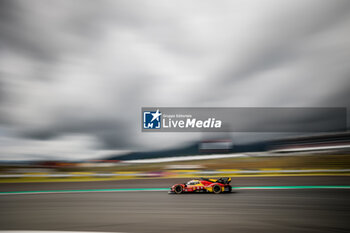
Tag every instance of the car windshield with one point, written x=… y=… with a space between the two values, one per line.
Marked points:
x=192 y=182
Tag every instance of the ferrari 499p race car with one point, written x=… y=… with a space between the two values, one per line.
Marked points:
x=221 y=185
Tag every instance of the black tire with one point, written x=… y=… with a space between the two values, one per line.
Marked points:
x=178 y=189
x=229 y=189
x=217 y=189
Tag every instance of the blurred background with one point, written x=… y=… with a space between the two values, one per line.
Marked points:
x=75 y=74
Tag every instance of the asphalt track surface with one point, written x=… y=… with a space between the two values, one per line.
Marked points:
x=165 y=183
x=287 y=210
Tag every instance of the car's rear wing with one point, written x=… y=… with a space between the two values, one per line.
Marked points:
x=222 y=180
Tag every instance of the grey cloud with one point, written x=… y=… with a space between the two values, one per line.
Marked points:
x=87 y=67
x=284 y=44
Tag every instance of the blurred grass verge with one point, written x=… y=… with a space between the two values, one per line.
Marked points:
x=322 y=164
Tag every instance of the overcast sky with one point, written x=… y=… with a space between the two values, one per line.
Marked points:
x=75 y=74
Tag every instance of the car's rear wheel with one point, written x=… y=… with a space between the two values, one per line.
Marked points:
x=229 y=189
x=216 y=189
x=178 y=189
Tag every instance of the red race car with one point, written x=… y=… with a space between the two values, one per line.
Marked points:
x=221 y=185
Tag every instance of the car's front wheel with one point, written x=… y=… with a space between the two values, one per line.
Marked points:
x=178 y=189
x=216 y=189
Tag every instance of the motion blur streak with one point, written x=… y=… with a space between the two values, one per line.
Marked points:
x=298 y=210
x=254 y=210
x=166 y=189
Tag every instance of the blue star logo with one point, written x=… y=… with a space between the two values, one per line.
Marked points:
x=152 y=120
